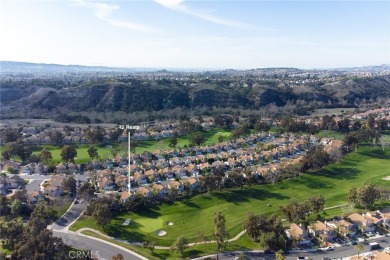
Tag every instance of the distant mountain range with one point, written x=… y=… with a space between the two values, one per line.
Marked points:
x=28 y=67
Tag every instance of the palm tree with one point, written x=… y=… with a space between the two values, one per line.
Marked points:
x=359 y=247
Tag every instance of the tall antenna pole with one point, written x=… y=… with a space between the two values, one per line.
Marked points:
x=129 y=185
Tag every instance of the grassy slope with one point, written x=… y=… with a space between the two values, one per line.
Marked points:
x=190 y=215
x=82 y=152
x=150 y=145
x=210 y=135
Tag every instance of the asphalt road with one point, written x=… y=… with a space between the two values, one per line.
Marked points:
x=337 y=253
x=98 y=249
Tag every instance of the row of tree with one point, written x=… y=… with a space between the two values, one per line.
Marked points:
x=33 y=240
x=367 y=195
x=298 y=212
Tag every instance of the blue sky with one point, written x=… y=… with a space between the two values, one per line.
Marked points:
x=197 y=34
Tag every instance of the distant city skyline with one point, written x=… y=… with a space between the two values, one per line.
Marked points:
x=197 y=34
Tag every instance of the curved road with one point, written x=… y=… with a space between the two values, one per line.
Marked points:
x=100 y=249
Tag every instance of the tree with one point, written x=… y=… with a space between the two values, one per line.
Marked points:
x=172 y=193
x=68 y=153
x=315 y=158
x=251 y=226
x=317 y=203
x=353 y=196
x=279 y=255
x=87 y=191
x=102 y=215
x=10 y=231
x=179 y=245
x=10 y=135
x=42 y=246
x=92 y=152
x=45 y=155
x=173 y=141
x=17 y=150
x=371 y=121
x=220 y=138
x=70 y=184
x=261 y=126
x=240 y=131
x=96 y=135
x=367 y=195
x=220 y=233
x=197 y=139
x=359 y=248
x=20 y=195
x=34 y=158
x=118 y=257
x=16 y=207
x=57 y=138
x=4 y=207
x=149 y=245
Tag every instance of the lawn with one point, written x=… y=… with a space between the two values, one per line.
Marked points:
x=211 y=137
x=196 y=213
x=328 y=134
x=105 y=151
x=82 y=152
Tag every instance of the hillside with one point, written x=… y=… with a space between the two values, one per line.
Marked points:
x=97 y=90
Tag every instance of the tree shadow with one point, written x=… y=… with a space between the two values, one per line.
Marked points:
x=149 y=212
x=239 y=196
x=375 y=153
x=192 y=253
x=161 y=255
x=190 y=204
x=341 y=173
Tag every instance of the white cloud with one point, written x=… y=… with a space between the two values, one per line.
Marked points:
x=178 y=6
x=104 y=12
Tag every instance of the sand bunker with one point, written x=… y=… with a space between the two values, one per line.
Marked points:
x=161 y=233
x=126 y=222
x=170 y=223
x=387 y=178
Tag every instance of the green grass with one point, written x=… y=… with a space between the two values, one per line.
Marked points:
x=82 y=152
x=149 y=145
x=5 y=249
x=211 y=137
x=196 y=213
x=328 y=134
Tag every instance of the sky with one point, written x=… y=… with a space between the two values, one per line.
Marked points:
x=202 y=34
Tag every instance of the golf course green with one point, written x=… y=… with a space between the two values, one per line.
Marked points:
x=190 y=215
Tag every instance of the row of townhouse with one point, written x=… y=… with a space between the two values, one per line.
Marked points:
x=327 y=231
x=160 y=191
x=147 y=168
